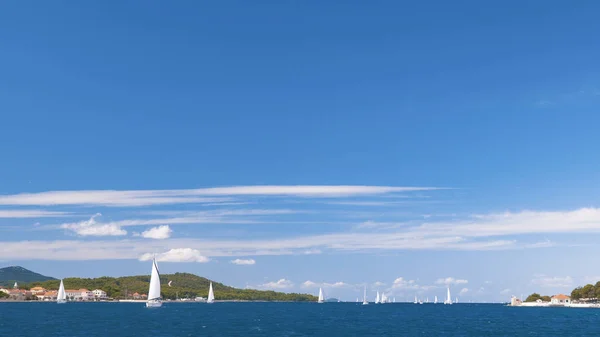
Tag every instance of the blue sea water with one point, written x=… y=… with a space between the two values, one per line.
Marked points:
x=292 y=319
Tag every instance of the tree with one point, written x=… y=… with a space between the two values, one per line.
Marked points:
x=533 y=297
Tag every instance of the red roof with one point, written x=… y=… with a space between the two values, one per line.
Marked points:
x=561 y=297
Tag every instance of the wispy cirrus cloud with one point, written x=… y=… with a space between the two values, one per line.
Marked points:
x=243 y=262
x=450 y=280
x=131 y=198
x=546 y=281
x=311 y=284
x=31 y=213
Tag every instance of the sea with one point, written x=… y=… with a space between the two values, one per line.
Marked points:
x=292 y=319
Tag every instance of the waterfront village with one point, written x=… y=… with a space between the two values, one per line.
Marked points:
x=42 y=294
x=559 y=300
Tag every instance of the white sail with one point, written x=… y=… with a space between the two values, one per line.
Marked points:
x=365 y=297
x=62 y=295
x=321 y=299
x=416 y=301
x=211 y=294
x=427 y=300
x=435 y=300
x=154 y=299
x=394 y=300
x=456 y=300
x=377 y=298
x=384 y=298
x=448 y=297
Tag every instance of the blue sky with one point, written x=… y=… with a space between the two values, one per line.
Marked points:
x=403 y=146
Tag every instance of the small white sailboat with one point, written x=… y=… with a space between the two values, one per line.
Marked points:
x=416 y=301
x=321 y=299
x=448 y=297
x=384 y=298
x=62 y=295
x=357 y=300
x=211 y=294
x=394 y=300
x=377 y=300
x=365 y=297
x=154 y=299
x=435 y=300
x=456 y=300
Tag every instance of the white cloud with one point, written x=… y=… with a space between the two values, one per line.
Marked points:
x=177 y=255
x=92 y=228
x=243 y=261
x=311 y=284
x=30 y=213
x=161 y=197
x=401 y=283
x=451 y=280
x=463 y=291
x=552 y=281
x=378 y=284
x=505 y=291
x=158 y=233
x=280 y=284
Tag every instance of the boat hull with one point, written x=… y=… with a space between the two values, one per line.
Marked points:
x=153 y=304
x=61 y=301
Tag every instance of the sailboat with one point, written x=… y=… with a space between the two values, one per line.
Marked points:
x=448 y=298
x=365 y=297
x=416 y=301
x=394 y=300
x=377 y=298
x=62 y=295
x=435 y=300
x=384 y=298
x=211 y=294
x=321 y=299
x=357 y=300
x=154 y=299
x=427 y=300
x=456 y=300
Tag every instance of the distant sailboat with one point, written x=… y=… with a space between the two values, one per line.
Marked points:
x=357 y=300
x=365 y=297
x=154 y=299
x=62 y=295
x=377 y=298
x=435 y=300
x=211 y=294
x=416 y=301
x=321 y=299
x=384 y=298
x=456 y=300
x=394 y=300
x=448 y=298
x=427 y=300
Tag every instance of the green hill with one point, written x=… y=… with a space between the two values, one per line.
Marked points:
x=10 y=275
x=182 y=285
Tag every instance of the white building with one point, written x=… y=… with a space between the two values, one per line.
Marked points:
x=79 y=295
x=560 y=299
x=100 y=294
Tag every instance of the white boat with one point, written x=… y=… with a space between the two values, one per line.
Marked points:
x=154 y=299
x=394 y=300
x=365 y=297
x=448 y=298
x=377 y=298
x=456 y=300
x=416 y=301
x=321 y=299
x=357 y=300
x=211 y=294
x=384 y=298
x=62 y=295
x=427 y=300
x=435 y=300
